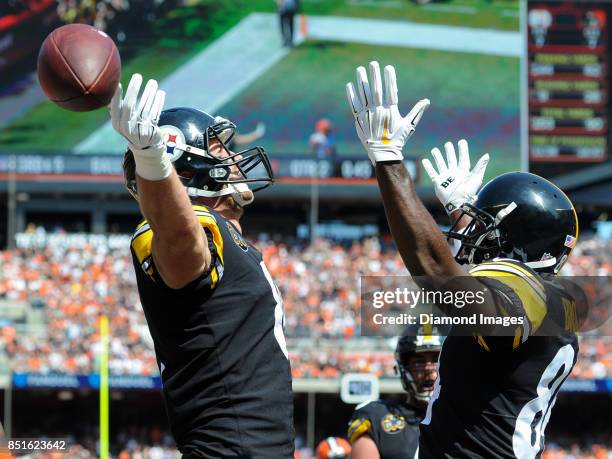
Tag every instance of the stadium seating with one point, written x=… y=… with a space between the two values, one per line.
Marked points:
x=69 y=285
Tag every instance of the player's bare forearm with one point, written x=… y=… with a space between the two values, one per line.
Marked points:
x=364 y=448
x=420 y=242
x=417 y=236
x=179 y=247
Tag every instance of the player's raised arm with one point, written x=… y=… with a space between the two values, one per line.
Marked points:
x=383 y=132
x=179 y=246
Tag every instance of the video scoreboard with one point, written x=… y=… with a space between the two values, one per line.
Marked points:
x=568 y=79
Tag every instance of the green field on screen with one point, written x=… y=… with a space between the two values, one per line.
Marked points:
x=472 y=96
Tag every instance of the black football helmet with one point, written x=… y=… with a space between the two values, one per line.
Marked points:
x=188 y=134
x=521 y=216
x=408 y=345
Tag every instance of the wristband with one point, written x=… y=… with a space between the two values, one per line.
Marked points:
x=383 y=156
x=154 y=167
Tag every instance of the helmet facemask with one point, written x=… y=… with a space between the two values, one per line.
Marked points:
x=219 y=172
x=481 y=240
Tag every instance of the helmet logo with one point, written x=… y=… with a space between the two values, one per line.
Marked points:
x=173 y=137
x=570 y=241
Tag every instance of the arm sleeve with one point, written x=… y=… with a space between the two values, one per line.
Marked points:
x=518 y=291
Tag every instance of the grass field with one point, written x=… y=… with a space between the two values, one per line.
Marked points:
x=473 y=96
x=48 y=127
x=499 y=14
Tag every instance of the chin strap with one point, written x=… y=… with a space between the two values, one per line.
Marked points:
x=235 y=190
x=504 y=212
x=542 y=263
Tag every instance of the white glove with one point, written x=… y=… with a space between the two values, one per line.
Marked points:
x=380 y=127
x=454 y=183
x=138 y=124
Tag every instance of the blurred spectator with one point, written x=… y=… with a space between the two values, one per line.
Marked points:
x=75 y=281
x=116 y=17
x=322 y=140
x=286 y=13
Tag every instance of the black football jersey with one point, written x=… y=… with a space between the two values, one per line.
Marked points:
x=220 y=348
x=494 y=395
x=392 y=425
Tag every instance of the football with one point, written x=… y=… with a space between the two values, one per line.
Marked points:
x=79 y=67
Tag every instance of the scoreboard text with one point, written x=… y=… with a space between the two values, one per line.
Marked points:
x=568 y=76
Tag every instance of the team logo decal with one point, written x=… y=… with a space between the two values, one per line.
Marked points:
x=173 y=137
x=237 y=237
x=393 y=424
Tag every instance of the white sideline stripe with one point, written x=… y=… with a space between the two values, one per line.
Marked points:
x=459 y=9
x=413 y=35
x=378 y=3
x=241 y=55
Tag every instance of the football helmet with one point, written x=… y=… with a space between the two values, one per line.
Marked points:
x=333 y=448
x=408 y=345
x=189 y=135
x=520 y=216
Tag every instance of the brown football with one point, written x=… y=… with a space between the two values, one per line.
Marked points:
x=79 y=67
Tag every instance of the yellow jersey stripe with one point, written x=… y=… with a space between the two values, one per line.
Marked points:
x=141 y=224
x=517 y=338
x=357 y=431
x=209 y=222
x=354 y=424
x=214 y=278
x=141 y=243
x=200 y=207
x=505 y=266
x=143 y=237
x=531 y=301
x=483 y=343
x=141 y=229
x=522 y=269
x=503 y=273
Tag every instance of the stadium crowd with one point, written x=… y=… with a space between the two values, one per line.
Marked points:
x=70 y=282
x=73 y=284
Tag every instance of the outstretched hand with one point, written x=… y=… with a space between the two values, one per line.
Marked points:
x=383 y=131
x=136 y=120
x=455 y=184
